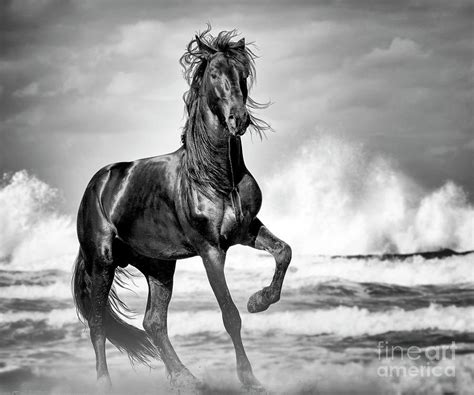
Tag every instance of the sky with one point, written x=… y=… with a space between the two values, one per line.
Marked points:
x=87 y=83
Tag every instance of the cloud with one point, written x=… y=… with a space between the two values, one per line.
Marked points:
x=30 y=8
x=140 y=39
x=124 y=84
x=29 y=90
x=442 y=150
x=400 y=51
x=470 y=145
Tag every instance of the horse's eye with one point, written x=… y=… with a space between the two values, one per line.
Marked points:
x=213 y=76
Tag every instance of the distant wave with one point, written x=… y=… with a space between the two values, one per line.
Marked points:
x=40 y=277
x=306 y=273
x=415 y=271
x=54 y=318
x=340 y=321
x=377 y=296
x=440 y=254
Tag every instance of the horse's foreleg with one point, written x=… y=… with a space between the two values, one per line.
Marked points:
x=214 y=260
x=160 y=283
x=262 y=239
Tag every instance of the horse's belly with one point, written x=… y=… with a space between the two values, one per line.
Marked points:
x=156 y=238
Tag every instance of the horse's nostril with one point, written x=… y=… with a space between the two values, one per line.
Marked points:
x=231 y=117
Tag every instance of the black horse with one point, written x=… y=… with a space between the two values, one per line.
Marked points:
x=198 y=200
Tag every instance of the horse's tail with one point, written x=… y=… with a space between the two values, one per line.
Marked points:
x=125 y=337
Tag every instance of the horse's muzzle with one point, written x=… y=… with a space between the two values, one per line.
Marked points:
x=237 y=125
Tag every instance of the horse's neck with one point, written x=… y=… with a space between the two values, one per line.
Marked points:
x=236 y=159
x=213 y=163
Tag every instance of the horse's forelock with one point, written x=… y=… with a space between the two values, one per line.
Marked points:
x=223 y=42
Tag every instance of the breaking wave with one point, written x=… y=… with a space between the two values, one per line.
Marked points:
x=33 y=234
x=335 y=198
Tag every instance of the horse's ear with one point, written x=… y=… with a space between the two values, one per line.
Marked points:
x=206 y=50
x=240 y=44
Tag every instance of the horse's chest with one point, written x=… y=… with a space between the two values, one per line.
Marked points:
x=232 y=221
x=240 y=209
x=225 y=220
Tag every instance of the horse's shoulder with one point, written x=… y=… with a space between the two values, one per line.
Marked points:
x=249 y=188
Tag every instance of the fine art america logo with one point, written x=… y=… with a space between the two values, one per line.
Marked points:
x=414 y=361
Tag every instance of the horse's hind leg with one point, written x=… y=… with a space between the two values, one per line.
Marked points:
x=102 y=276
x=262 y=239
x=96 y=237
x=159 y=275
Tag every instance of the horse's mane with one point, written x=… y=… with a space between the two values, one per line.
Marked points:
x=202 y=165
x=194 y=64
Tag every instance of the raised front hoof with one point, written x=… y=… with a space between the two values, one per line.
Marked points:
x=103 y=385
x=260 y=301
x=185 y=383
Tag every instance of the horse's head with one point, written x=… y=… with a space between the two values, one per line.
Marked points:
x=224 y=85
x=220 y=71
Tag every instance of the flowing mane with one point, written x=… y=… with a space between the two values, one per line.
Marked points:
x=194 y=65
x=202 y=164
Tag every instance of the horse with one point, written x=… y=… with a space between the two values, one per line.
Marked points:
x=197 y=201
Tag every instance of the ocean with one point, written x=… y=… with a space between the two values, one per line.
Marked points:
x=322 y=337
x=355 y=315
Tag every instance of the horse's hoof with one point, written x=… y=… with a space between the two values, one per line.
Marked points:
x=258 y=302
x=255 y=388
x=103 y=385
x=185 y=383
